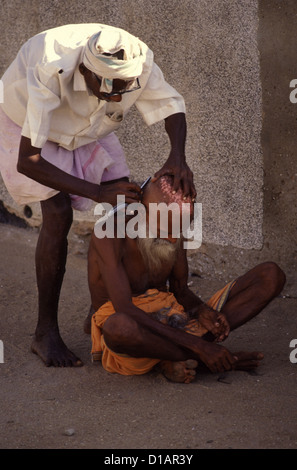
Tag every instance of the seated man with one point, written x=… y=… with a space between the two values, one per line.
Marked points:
x=139 y=323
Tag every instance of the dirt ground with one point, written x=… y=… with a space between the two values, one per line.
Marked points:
x=86 y=408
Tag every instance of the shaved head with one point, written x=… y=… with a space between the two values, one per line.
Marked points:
x=163 y=248
x=162 y=191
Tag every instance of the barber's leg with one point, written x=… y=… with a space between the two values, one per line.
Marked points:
x=51 y=254
x=253 y=292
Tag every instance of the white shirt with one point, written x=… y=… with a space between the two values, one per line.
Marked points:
x=46 y=95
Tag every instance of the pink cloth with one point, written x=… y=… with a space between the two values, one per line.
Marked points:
x=103 y=160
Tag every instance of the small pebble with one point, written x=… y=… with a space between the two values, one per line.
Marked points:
x=69 y=432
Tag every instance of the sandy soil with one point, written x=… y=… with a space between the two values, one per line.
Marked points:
x=84 y=408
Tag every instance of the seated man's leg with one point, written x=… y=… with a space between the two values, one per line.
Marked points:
x=51 y=254
x=252 y=292
x=124 y=336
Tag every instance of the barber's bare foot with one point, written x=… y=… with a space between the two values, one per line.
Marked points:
x=53 y=351
x=182 y=372
x=247 y=360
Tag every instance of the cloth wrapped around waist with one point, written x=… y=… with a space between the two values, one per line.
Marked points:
x=162 y=306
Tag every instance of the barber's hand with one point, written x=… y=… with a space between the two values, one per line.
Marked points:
x=109 y=192
x=182 y=175
x=214 y=322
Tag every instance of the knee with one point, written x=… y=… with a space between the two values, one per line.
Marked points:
x=119 y=330
x=273 y=277
x=57 y=213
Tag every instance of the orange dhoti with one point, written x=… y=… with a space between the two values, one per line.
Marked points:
x=161 y=305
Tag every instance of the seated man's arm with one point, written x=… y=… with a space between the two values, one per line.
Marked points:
x=178 y=283
x=215 y=322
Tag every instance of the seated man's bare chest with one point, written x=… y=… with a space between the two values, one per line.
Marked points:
x=140 y=276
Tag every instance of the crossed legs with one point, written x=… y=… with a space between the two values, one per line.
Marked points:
x=249 y=296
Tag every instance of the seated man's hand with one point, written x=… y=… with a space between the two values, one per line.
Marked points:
x=214 y=322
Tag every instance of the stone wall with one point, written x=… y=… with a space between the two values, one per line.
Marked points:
x=208 y=51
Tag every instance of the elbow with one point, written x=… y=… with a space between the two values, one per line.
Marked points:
x=21 y=167
x=25 y=165
x=28 y=157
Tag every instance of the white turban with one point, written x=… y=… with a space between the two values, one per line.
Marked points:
x=109 y=41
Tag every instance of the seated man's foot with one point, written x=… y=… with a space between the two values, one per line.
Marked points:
x=53 y=351
x=87 y=322
x=182 y=372
x=247 y=360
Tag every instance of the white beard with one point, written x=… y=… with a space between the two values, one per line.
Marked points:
x=157 y=252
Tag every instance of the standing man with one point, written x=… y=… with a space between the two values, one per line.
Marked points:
x=65 y=94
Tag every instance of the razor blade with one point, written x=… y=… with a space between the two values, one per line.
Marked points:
x=123 y=205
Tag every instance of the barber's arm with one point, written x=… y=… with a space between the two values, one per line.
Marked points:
x=176 y=165
x=31 y=164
